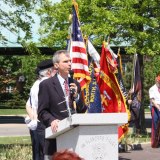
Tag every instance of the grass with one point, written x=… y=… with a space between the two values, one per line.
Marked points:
x=137 y=139
x=147 y=109
x=12 y=111
x=15 y=148
x=133 y=139
x=23 y=111
x=15 y=140
x=15 y=152
x=7 y=111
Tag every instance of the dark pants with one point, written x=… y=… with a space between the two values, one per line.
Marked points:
x=50 y=146
x=35 y=145
x=38 y=142
x=135 y=119
x=46 y=146
x=41 y=138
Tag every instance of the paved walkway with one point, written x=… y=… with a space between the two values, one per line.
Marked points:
x=142 y=152
x=11 y=129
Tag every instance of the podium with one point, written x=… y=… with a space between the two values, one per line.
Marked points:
x=92 y=136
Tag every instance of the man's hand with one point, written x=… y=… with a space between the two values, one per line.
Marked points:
x=155 y=104
x=73 y=87
x=129 y=101
x=54 y=125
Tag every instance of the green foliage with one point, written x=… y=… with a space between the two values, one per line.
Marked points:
x=15 y=16
x=151 y=69
x=12 y=68
x=131 y=23
x=134 y=24
x=128 y=75
x=54 y=22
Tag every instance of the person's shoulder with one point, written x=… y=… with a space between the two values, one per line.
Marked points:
x=152 y=87
x=35 y=84
x=48 y=81
x=45 y=81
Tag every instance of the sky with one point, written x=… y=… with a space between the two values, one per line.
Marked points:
x=12 y=37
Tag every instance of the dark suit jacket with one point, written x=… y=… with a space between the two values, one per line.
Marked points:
x=51 y=101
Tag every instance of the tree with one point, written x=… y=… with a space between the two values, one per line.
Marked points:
x=16 y=18
x=18 y=75
x=151 y=69
x=133 y=23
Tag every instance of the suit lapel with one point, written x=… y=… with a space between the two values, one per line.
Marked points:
x=58 y=87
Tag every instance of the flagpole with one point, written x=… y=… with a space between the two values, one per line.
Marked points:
x=120 y=60
x=133 y=71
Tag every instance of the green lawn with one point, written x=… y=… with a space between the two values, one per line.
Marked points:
x=12 y=111
x=23 y=111
x=15 y=140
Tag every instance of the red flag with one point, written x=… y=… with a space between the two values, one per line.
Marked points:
x=79 y=53
x=111 y=96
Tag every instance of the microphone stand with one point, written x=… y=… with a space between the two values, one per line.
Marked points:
x=69 y=111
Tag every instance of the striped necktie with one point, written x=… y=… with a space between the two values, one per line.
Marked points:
x=66 y=88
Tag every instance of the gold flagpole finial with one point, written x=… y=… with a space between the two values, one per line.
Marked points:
x=75 y=4
x=119 y=51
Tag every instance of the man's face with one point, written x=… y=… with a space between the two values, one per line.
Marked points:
x=64 y=64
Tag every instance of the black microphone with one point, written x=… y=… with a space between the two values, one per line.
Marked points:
x=70 y=80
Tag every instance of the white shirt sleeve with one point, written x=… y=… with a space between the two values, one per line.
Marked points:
x=34 y=95
x=154 y=94
x=151 y=93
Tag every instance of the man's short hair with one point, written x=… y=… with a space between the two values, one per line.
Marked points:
x=56 y=58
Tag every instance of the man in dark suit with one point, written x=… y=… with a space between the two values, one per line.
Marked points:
x=53 y=99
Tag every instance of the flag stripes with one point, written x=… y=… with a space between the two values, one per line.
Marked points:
x=78 y=51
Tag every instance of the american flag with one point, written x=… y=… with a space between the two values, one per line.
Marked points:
x=78 y=51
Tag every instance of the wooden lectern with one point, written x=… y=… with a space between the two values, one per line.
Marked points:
x=93 y=136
